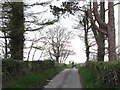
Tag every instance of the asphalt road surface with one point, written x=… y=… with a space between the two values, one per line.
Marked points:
x=68 y=78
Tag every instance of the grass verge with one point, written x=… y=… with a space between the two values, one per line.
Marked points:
x=88 y=78
x=33 y=79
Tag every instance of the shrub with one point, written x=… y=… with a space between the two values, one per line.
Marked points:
x=14 y=68
x=88 y=78
x=107 y=72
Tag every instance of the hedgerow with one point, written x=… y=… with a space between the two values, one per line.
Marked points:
x=106 y=72
x=15 y=68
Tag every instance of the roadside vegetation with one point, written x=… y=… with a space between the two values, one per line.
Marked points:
x=100 y=75
x=37 y=79
x=88 y=78
x=27 y=33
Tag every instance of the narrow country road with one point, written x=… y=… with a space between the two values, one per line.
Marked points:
x=68 y=78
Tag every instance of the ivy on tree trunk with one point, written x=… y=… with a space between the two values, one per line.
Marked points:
x=17 y=30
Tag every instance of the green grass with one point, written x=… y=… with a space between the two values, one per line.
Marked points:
x=33 y=78
x=89 y=78
x=69 y=65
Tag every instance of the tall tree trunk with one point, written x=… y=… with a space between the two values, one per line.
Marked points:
x=98 y=32
x=6 y=46
x=28 y=56
x=86 y=41
x=34 y=54
x=86 y=28
x=57 y=60
x=57 y=54
x=17 y=30
x=111 y=32
x=101 y=40
x=108 y=29
x=101 y=48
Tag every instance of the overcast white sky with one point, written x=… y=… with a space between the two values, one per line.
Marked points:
x=77 y=43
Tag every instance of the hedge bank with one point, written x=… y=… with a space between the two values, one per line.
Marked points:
x=108 y=73
x=15 y=68
x=33 y=80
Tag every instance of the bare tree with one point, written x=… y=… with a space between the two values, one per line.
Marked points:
x=58 y=40
x=106 y=29
x=65 y=54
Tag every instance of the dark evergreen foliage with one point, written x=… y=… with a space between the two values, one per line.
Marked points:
x=17 y=30
x=66 y=7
